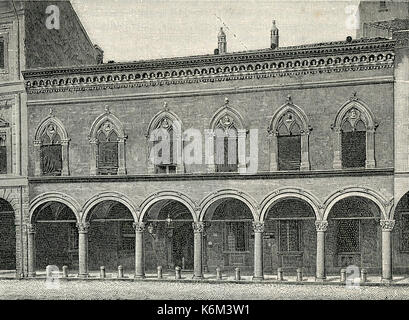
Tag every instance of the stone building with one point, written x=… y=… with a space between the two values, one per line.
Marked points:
x=291 y=157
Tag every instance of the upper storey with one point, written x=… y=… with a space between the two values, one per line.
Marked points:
x=349 y=55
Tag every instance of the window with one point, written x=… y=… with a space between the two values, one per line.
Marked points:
x=289 y=133
x=2 y=55
x=404 y=241
x=127 y=236
x=236 y=236
x=348 y=236
x=290 y=235
x=51 y=152
x=72 y=238
x=289 y=144
x=164 y=139
x=226 y=145
x=353 y=145
x=3 y=154
x=382 y=6
x=107 y=150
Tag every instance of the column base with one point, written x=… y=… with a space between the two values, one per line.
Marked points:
x=386 y=281
x=83 y=276
x=320 y=279
x=198 y=277
x=258 y=278
x=31 y=274
x=139 y=277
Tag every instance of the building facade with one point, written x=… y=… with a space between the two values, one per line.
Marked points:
x=286 y=157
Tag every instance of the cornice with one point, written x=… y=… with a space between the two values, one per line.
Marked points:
x=292 y=61
x=214 y=176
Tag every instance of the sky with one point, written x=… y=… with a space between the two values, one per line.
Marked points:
x=130 y=30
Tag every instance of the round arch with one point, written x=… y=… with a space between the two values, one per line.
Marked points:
x=168 y=195
x=290 y=193
x=108 y=196
x=355 y=192
x=225 y=194
x=56 y=197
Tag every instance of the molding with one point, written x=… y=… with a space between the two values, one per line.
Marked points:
x=207 y=92
x=215 y=176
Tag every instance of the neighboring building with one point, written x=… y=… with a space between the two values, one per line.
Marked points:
x=330 y=120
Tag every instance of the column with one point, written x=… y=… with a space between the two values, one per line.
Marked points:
x=64 y=155
x=321 y=227
x=139 y=252
x=83 y=249
x=121 y=156
x=37 y=158
x=209 y=151
x=305 y=158
x=198 y=233
x=337 y=163
x=31 y=230
x=258 y=228
x=387 y=227
x=241 y=144
x=94 y=152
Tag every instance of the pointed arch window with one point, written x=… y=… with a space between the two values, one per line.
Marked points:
x=226 y=141
x=164 y=135
x=289 y=139
x=354 y=139
x=107 y=140
x=5 y=147
x=51 y=144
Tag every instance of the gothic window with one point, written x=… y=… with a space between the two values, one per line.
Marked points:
x=289 y=236
x=404 y=238
x=226 y=145
x=348 y=236
x=226 y=141
x=51 y=152
x=107 y=138
x=127 y=236
x=3 y=154
x=236 y=236
x=354 y=139
x=164 y=135
x=2 y=57
x=51 y=148
x=107 y=157
x=289 y=134
x=289 y=143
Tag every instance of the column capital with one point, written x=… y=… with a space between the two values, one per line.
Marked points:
x=387 y=225
x=31 y=228
x=139 y=226
x=198 y=226
x=258 y=226
x=83 y=227
x=321 y=225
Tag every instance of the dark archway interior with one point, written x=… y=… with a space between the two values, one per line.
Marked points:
x=56 y=238
x=168 y=236
x=7 y=237
x=353 y=235
x=111 y=237
x=290 y=236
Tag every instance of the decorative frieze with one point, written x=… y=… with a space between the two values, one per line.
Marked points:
x=321 y=225
x=387 y=225
x=258 y=226
x=198 y=226
x=139 y=226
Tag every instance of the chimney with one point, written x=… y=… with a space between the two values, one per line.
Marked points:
x=274 y=36
x=222 y=42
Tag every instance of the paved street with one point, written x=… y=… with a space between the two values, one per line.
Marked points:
x=37 y=289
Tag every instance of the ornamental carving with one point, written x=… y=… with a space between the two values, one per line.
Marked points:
x=258 y=226
x=387 y=225
x=83 y=227
x=321 y=226
x=31 y=228
x=139 y=226
x=198 y=226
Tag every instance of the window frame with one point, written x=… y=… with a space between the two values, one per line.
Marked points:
x=299 y=232
x=246 y=235
x=5 y=133
x=358 y=221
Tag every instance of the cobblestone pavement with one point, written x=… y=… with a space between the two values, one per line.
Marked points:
x=114 y=289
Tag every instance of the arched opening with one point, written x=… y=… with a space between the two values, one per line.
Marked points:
x=226 y=149
x=168 y=236
x=400 y=236
x=289 y=143
x=228 y=239
x=353 y=235
x=111 y=237
x=51 y=152
x=353 y=144
x=56 y=237
x=290 y=236
x=7 y=238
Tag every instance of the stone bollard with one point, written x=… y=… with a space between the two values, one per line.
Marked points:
x=364 y=275
x=160 y=275
x=218 y=273
x=280 y=276
x=299 y=274
x=237 y=274
x=120 y=272
x=65 y=272
x=343 y=275
x=102 y=272
x=178 y=274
